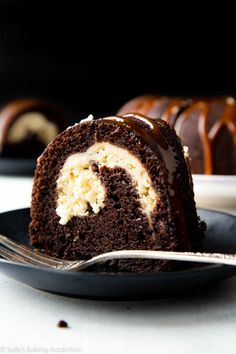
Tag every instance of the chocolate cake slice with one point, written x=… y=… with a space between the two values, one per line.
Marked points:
x=115 y=183
x=27 y=126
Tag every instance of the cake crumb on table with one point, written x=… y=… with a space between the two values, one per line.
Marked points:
x=62 y=324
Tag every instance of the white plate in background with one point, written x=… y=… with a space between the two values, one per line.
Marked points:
x=215 y=192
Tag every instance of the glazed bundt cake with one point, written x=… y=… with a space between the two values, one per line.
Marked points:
x=27 y=126
x=114 y=183
x=155 y=106
x=206 y=126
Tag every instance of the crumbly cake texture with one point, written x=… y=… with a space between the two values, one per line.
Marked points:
x=121 y=223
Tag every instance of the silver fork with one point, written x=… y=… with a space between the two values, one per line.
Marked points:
x=15 y=252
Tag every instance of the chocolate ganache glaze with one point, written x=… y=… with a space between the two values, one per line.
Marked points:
x=216 y=128
x=154 y=106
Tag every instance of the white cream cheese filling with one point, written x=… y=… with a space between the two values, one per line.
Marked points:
x=32 y=122
x=80 y=190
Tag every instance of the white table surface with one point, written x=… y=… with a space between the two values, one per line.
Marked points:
x=204 y=323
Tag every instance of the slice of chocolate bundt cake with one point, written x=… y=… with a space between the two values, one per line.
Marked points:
x=114 y=183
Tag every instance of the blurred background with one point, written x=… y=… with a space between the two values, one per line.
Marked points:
x=55 y=51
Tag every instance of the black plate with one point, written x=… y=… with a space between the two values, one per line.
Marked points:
x=221 y=237
x=17 y=167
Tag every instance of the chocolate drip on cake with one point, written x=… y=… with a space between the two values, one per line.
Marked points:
x=214 y=122
x=154 y=106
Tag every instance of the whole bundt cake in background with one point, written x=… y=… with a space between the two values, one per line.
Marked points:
x=206 y=126
x=27 y=126
x=154 y=106
x=115 y=183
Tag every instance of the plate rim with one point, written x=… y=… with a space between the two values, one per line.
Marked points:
x=124 y=274
x=17 y=166
x=214 y=178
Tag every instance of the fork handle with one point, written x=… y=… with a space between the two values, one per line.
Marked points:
x=219 y=258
